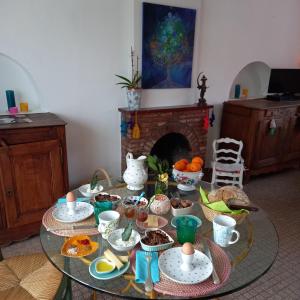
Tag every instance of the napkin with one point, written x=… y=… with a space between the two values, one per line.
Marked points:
x=141 y=266
x=219 y=205
x=80 y=199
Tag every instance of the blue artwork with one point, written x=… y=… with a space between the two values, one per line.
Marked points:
x=168 y=42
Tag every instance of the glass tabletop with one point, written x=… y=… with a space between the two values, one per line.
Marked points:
x=250 y=257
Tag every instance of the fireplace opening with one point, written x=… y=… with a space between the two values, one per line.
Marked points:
x=172 y=147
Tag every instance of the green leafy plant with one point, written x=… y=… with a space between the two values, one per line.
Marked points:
x=157 y=165
x=94 y=180
x=132 y=83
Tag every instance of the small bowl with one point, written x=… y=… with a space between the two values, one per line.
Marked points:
x=115 y=203
x=187 y=180
x=182 y=211
x=108 y=262
x=84 y=190
x=160 y=204
x=131 y=200
x=160 y=247
x=198 y=220
x=122 y=246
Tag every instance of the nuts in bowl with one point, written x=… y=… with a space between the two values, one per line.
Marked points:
x=156 y=240
x=181 y=207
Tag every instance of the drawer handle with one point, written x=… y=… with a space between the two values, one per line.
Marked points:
x=9 y=193
x=3 y=143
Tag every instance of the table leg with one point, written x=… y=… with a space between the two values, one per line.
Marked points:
x=68 y=294
x=94 y=295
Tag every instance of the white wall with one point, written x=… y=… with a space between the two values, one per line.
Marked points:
x=73 y=48
x=235 y=33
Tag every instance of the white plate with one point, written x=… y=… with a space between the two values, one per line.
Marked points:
x=169 y=263
x=83 y=211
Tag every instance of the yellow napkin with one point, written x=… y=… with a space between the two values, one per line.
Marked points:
x=220 y=205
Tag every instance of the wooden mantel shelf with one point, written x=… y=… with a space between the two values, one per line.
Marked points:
x=167 y=108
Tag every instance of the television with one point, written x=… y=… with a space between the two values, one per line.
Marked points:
x=285 y=82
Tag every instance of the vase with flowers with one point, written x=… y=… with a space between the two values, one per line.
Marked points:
x=134 y=91
x=161 y=170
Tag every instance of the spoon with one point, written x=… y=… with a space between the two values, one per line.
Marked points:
x=139 y=198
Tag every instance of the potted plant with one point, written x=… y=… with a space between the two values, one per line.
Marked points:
x=133 y=85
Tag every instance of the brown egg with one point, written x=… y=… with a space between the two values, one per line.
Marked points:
x=70 y=197
x=188 y=249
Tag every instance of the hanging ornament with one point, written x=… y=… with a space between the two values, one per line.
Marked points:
x=272 y=127
x=206 y=122
x=123 y=126
x=212 y=118
x=136 y=132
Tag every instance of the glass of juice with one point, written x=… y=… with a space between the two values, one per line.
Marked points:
x=129 y=208
x=142 y=213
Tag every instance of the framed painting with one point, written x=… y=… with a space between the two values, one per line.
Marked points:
x=168 y=43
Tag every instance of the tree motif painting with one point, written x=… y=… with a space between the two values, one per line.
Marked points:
x=168 y=42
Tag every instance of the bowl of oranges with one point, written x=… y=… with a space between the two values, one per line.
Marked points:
x=188 y=173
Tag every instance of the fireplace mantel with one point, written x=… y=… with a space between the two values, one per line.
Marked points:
x=177 y=108
x=156 y=122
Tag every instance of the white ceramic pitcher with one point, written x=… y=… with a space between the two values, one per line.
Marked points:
x=136 y=173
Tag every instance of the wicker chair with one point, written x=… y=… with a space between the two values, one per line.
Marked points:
x=29 y=277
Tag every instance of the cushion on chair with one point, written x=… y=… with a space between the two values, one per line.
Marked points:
x=28 y=277
x=235 y=168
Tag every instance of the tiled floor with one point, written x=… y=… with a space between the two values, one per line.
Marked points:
x=279 y=196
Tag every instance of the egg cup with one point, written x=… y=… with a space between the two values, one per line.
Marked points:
x=187 y=262
x=71 y=207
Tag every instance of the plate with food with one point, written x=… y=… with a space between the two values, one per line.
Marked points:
x=156 y=240
x=80 y=212
x=112 y=265
x=79 y=246
x=152 y=222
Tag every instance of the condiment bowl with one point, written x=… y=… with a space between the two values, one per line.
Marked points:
x=85 y=190
x=103 y=259
x=160 y=247
x=115 y=240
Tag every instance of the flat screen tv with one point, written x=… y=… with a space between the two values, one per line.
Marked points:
x=284 y=81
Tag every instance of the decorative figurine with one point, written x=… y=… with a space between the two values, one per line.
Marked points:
x=202 y=89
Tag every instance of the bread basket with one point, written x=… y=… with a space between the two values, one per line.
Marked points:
x=225 y=193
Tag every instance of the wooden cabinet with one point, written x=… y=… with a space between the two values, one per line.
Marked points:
x=249 y=121
x=33 y=169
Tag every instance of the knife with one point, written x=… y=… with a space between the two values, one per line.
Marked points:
x=73 y=227
x=215 y=277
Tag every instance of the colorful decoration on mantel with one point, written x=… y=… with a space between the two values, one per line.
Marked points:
x=136 y=132
x=124 y=126
x=206 y=122
x=212 y=118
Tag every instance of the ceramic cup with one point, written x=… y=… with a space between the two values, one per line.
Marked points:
x=223 y=230
x=187 y=260
x=108 y=222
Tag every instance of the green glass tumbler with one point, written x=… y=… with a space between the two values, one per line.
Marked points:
x=99 y=207
x=186 y=230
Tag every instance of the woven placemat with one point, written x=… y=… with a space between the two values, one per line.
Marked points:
x=169 y=287
x=64 y=228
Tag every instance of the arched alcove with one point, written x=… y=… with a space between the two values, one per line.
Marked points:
x=254 y=77
x=13 y=76
x=171 y=147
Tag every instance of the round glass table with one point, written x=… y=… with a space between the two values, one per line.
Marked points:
x=250 y=257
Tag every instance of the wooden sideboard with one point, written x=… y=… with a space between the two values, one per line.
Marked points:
x=33 y=173
x=249 y=121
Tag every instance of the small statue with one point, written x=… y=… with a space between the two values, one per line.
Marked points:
x=202 y=89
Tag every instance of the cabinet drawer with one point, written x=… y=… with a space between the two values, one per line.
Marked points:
x=280 y=112
x=28 y=135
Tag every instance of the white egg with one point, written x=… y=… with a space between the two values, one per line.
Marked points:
x=188 y=248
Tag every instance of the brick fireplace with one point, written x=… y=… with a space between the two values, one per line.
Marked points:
x=156 y=123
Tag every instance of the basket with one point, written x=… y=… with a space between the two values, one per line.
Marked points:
x=210 y=214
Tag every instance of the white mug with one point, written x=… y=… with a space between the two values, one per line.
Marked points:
x=108 y=222
x=223 y=230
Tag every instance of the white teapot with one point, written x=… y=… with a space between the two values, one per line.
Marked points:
x=136 y=173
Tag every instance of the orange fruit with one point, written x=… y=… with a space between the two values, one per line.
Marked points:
x=195 y=167
x=197 y=159
x=184 y=160
x=179 y=165
x=189 y=167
